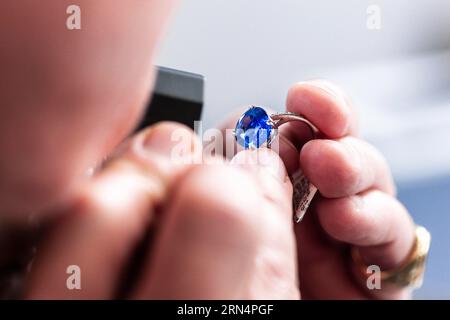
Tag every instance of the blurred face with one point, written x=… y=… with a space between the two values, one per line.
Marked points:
x=68 y=97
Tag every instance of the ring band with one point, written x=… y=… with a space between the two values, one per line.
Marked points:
x=410 y=272
x=282 y=118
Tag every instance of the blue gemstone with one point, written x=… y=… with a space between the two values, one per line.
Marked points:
x=254 y=128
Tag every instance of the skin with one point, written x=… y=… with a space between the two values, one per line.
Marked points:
x=198 y=237
x=69 y=97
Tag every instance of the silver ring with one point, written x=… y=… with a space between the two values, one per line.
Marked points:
x=256 y=128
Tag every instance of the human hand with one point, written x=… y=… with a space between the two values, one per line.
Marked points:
x=246 y=236
x=203 y=231
x=69 y=97
x=356 y=204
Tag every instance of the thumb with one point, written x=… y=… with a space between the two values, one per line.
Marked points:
x=276 y=275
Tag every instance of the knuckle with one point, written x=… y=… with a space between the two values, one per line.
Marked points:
x=332 y=169
x=337 y=217
x=346 y=170
x=348 y=174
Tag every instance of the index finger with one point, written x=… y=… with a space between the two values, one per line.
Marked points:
x=325 y=105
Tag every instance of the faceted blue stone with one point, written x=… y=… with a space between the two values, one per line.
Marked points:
x=254 y=128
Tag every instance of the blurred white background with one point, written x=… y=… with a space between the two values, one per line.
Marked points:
x=251 y=51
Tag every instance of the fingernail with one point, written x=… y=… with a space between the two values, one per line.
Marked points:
x=261 y=160
x=155 y=142
x=171 y=141
x=326 y=86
